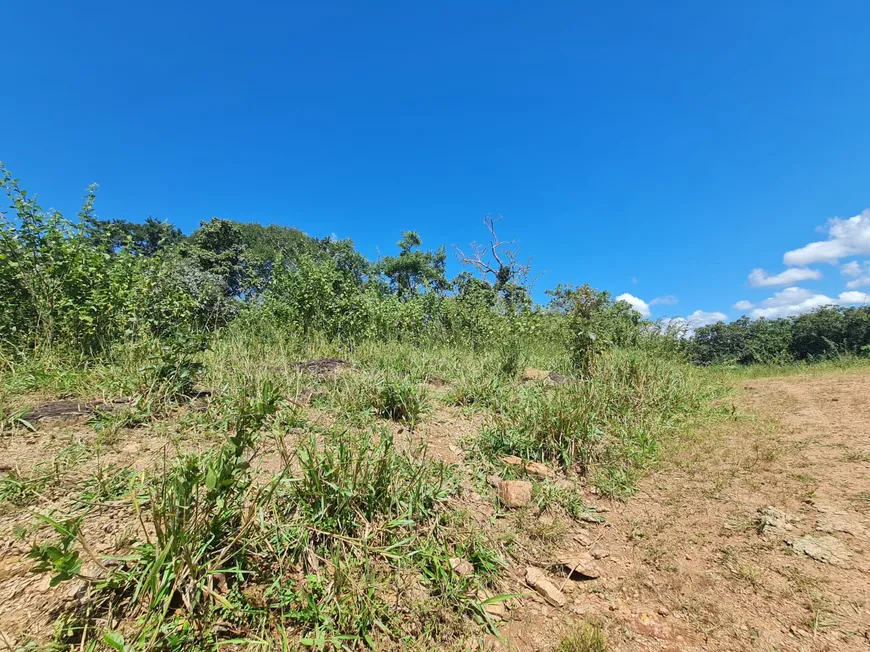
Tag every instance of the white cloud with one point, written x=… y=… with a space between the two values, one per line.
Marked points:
x=846 y=237
x=686 y=325
x=853 y=298
x=701 y=318
x=743 y=305
x=638 y=304
x=790 y=301
x=861 y=275
x=760 y=279
x=667 y=300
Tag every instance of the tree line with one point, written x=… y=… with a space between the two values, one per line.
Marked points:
x=89 y=287
x=827 y=332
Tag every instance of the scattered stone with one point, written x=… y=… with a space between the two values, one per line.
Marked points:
x=826 y=549
x=461 y=566
x=493 y=480
x=512 y=460
x=600 y=554
x=580 y=565
x=538 y=580
x=537 y=468
x=515 y=493
x=530 y=373
x=663 y=611
x=772 y=521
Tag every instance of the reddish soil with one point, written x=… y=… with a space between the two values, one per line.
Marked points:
x=688 y=568
x=689 y=563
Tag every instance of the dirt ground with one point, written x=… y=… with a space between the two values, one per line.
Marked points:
x=751 y=534
x=695 y=561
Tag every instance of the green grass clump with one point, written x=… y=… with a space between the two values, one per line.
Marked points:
x=612 y=420
x=588 y=638
x=399 y=400
x=310 y=555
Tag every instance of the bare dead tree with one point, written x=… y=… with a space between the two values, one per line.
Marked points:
x=499 y=258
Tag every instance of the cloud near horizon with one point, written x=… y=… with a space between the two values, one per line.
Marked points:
x=638 y=304
x=689 y=324
x=797 y=300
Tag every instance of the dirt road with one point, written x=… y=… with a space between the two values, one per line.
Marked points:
x=698 y=560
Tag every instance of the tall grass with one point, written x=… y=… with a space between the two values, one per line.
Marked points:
x=612 y=420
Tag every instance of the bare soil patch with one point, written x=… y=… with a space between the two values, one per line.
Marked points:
x=698 y=561
x=751 y=534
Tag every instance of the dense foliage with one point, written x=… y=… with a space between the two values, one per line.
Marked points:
x=827 y=332
x=90 y=287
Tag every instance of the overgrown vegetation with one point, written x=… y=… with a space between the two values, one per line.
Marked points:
x=824 y=334
x=293 y=506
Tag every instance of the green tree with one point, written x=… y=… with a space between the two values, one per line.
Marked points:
x=414 y=270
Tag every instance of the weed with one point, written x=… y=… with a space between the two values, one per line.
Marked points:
x=588 y=638
x=857 y=456
x=400 y=400
x=510 y=358
x=547 y=495
x=478 y=391
x=108 y=485
x=19 y=490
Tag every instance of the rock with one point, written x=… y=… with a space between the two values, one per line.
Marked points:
x=827 y=549
x=580 y=565
x=496 y=608
x=515 y=493
x=583 y=539
x=538 y=580
x=512 y=460
x=558 y=379
x=493 y=480
x=840 y=522
x=772 y=521
x=461 y=566
x=539 y=469
x=600 y=554
x=530 y=373
x=220 y=580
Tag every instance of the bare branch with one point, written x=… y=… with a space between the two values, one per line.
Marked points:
x=500 y=259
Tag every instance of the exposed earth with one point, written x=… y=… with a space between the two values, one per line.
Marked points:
x=750 y=534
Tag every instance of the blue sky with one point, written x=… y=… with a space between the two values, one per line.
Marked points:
x=656 y=149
